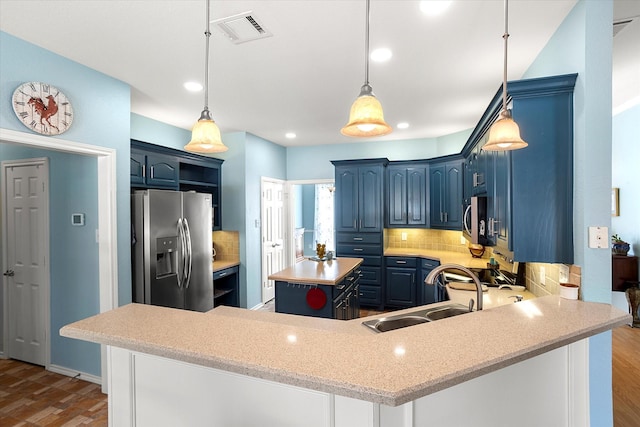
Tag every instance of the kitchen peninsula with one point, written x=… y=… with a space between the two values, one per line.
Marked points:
x=173 y=367
x=328 y=288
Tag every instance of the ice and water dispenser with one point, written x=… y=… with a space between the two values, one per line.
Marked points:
x=166 y=256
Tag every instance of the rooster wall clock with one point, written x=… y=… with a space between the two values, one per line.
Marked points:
x=42 y=108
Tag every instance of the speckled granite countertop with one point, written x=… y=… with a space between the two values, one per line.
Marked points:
x=344 y=357
x=224 y=263
x=445 y=257
x=320 y=272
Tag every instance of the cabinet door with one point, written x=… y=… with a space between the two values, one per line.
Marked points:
x=162 y=171
x=436 y=195
x=501 y=199
x=453 y=196
x=416 y=196
x=138 y=162
x=370 y=198
x=397 y=197
x=482 y=165
x=401 y=287
x=346 y=207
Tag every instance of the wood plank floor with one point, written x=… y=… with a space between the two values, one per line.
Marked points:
x=32 y=396
x=626 y=377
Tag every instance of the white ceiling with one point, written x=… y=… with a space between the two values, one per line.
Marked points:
x=304 y=78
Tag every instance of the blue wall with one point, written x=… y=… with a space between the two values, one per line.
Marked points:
x=102 y=115
x=583 y=44
x=159 y=133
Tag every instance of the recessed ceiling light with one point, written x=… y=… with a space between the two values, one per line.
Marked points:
x=193 y=86
x=434 y=7
x=402 y=125
x=381 y=55
x=290 y=135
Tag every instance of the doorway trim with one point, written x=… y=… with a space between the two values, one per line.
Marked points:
x=290 y=209
x=107 y=216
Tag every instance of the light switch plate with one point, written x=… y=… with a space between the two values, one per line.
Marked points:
x=403 y=236
x=563 y=273
x=599 y=237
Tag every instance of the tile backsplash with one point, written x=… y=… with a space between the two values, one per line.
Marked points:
x=551 y=284
x=422 y=238
x=227 y=245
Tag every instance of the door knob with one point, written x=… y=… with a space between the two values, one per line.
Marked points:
x=9 y=273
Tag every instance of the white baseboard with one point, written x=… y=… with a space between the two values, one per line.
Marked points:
x=73 y=374
x=257 y=307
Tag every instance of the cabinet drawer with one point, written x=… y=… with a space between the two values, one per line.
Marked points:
x=226 y=272
x=371 y=276
x=357 y=250
x=370 y=295
x=367 y=238
x=395 y=261
x=430 y=263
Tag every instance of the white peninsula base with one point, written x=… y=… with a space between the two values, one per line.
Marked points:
x=151 y=391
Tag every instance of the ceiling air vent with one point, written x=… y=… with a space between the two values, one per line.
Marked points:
x=621 y=24
x=242 y=28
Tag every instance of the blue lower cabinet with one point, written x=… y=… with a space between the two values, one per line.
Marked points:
x=429 y=294
x=225 y=287
x=401 y=286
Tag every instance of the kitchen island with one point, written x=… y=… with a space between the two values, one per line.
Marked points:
x=327 y=288
x=239 y=367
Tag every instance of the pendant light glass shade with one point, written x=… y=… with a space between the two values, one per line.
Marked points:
x=205 y=135
x=366 y=117
x=504 y=134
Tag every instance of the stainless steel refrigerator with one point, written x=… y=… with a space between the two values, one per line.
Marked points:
x=172 y=249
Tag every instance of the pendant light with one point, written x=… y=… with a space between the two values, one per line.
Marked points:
x=205 y=136
x=504 y=134
x=366 y=117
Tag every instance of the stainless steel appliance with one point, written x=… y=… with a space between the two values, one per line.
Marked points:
x=172 y=249
x=475 y=222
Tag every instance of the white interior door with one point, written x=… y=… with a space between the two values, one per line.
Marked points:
x=273 y=234
x=26 y=277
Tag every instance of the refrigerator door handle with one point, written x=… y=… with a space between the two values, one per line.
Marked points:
x=189 y=253
x=181 y=254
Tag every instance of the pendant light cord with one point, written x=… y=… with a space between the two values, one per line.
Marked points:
x=505 y=36
x=207 y=34
x=366 y=49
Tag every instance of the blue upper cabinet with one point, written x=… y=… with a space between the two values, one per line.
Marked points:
x=406 y=191
x=153 y=170
x=531 y=190
x=359 y=189
x=446 y=194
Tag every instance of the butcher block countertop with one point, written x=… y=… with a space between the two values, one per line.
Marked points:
x=224 y=263
x=346 y=358
x=317 y=272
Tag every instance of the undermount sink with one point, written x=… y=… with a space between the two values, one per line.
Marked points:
x=391 y=323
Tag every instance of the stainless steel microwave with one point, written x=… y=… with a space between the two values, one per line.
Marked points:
x=475 y=222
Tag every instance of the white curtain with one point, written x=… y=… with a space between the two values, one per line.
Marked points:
x=323 y=221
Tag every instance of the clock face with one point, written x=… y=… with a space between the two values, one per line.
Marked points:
x=42 y=108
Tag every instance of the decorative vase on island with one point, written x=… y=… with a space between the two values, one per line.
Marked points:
x=633 y=297
x=620 y=248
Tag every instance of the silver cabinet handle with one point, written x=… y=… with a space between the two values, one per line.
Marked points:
x=151 y=172
x=401 y=262
x=446 y=217
x=358 y=249
x=358 y=239
x=144 y=170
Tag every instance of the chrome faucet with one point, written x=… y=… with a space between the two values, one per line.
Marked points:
x=439 y=269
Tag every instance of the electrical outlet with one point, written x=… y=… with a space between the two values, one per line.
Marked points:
x=599 y=237
x=564 y=273
x=463 y=240
x=403 y=236
x=543 y=276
